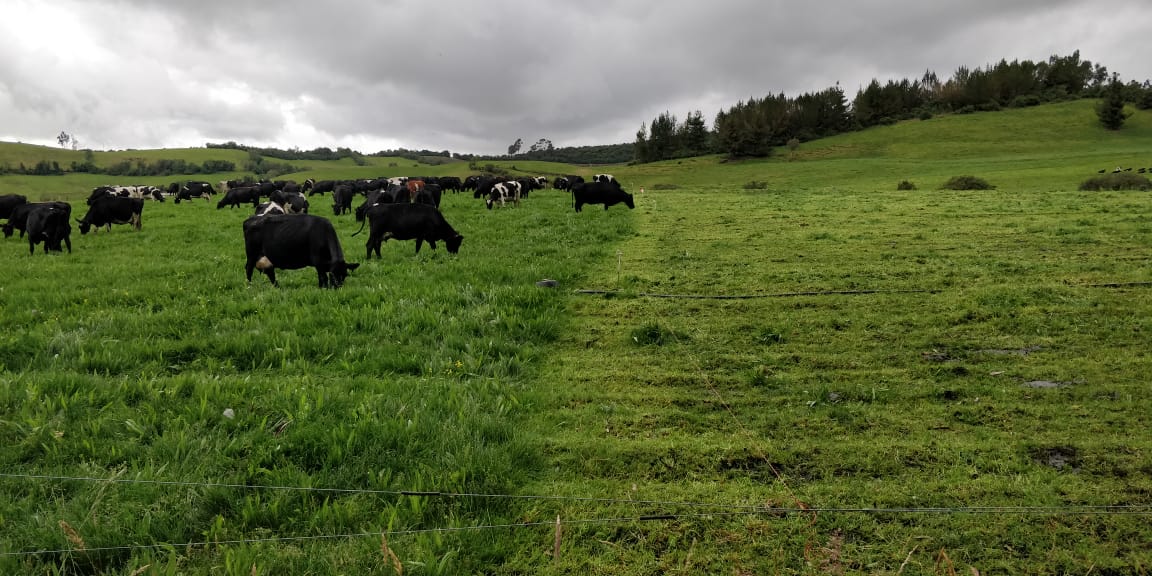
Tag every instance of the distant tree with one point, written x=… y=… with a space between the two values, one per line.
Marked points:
x=75 y=142
x=514 y=149
x=694 y=134
x=63 y=138
x=541 y=145
x=640 y=149
x=1110 y=110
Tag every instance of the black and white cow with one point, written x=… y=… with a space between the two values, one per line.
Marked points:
x=18 y=219
x=504 y=192
x=560 y=183
x=605 y=179
x=191 y=189
x=608 y=194
x=109 y=211
x=48 y=223
x=294 y=242
x=9 y=202
x=269 y=208
x=403 y=221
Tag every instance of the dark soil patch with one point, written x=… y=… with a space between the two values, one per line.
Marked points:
x=1058 y=457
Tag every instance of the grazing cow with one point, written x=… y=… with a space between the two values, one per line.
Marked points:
x=269 y=208
x=504 y=192
x=451 y=184
x=419 y=222
x=237 y=196
x=294 y=242
x=190 y=190
x=608 y=194
x=48 y=223
x=9 y=202
x=560 y=183
x=414 y=188
x=295 y=204
x=18 y=219
x=606 y=179
x=342 y=199
x=484 y=186
x=101 y=192
x=429 y=195
x=321 y=187
x=394 y=193
x=471 y=182
x=109 y=211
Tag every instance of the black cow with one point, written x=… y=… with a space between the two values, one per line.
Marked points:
x=560 y=183
x=608 y=194
x=451 y=183
x=342 y=198
x=419 y=222
x=48 y=223
x=320 y=187
x=430 y=195
x=375 y=197
x=109 y=211
x=294 y=242
x=9 y=202
x=18 y=219
x=237 y=196
x=101 y=192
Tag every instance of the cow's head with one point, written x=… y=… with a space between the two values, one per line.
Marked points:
x=8 y=228
x=628 y=201
x=340 y=272
x=85 y=225
x=453 y=243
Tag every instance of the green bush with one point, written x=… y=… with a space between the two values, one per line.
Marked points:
x=905 y=185
x=1116 y=181
x=967 y=183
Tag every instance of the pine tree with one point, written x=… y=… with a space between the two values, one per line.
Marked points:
x=1110 y=110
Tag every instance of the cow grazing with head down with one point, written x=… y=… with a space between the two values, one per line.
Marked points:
x=237 y=196
x=191 y=189
x=342 y=199
x=9 y=202
x=18 y=219
x=109 y=211
x=608 y=194
x=404 y=221
x=48 y=223
x=292 y=242
x=503 y=193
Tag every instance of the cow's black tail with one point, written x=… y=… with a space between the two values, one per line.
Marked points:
x=361 y=227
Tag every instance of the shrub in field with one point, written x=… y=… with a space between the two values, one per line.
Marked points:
x=967 y=183
x=653 y=334
x=756 y=185
x=1117 y=181
x=905 y=185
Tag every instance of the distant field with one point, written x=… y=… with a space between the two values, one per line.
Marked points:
x=863 y=381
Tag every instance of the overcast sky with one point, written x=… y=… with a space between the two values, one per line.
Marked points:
x=475 y=75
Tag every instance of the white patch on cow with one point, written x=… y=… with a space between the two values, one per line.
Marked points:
x=263 y=263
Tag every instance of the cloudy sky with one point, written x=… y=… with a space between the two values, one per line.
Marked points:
x=475 y=75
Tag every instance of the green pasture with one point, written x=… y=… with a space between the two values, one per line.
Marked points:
x=850 y=379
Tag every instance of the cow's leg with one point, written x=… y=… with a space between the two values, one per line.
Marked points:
x=271 y=272
x=322 y=274
x=68 y=243
x=419 y=241
x=248 y=267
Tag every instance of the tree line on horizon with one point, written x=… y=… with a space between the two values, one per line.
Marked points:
x=753 y=128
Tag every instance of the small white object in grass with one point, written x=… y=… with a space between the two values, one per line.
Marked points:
x=229 y=413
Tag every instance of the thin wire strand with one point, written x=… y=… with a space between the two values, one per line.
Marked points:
x=1004 y=510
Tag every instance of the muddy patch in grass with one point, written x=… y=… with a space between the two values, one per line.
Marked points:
x=1059 y=457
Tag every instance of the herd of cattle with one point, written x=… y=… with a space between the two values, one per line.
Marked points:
x=281 y=233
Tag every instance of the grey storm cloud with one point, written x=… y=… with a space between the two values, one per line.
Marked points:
x=474 y=76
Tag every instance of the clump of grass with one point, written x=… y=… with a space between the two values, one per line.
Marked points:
x=756 y=185
x=905 y=185
x=967 y=183
x=1116 y=181
x=654 y=334
x=665 y=187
